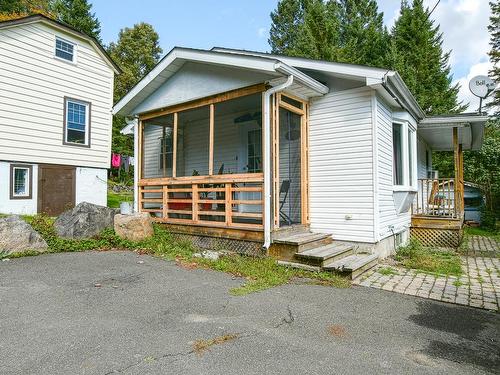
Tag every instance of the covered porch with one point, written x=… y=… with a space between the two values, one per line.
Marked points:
x=202 y=164
x=438 y=208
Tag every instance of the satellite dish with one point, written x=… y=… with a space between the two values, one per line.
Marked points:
x=481 y=86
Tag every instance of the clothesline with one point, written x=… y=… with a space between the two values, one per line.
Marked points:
x=120 y=161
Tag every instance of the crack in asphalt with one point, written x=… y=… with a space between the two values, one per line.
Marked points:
x=286 y=319
x=174 y=356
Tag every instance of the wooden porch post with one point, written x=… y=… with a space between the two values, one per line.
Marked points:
x=174 y=148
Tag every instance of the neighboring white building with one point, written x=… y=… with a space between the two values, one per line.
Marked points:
x=56 y=96
x=274 y=140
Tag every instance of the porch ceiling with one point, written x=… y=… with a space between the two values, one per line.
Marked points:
x=437 y=131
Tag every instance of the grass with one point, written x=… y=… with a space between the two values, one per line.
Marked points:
x=424 y=259
x=259 y=273
x=386 y=271
x=114 y=199
x=474 y=231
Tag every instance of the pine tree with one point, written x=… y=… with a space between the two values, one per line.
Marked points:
x=12 y=9
x=78 y=14
x=494 y=29
x=137 y=51
x=364 y=38
x=347 y=30
x=417 y=54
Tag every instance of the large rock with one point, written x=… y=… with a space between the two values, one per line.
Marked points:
x=84 y=221
x=135 y=227
x=17 y=236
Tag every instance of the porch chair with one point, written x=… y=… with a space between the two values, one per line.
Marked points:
x=284 y=189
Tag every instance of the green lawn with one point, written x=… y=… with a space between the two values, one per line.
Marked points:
x=470 y=231
x=114 y=199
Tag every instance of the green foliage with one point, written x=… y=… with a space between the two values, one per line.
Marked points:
x=345 y=31
x=386 y=271
x=78 y=13
x=24 y=7
x=494 y=29
x=471 y=231
x=420 y=258
x=137 y=51
x=416 y=53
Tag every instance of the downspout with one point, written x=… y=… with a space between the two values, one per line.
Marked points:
x=136 y=165
x=267 y=157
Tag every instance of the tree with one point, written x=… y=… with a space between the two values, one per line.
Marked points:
x=345 y=31
x=12 y=9
x=494 y=29
x=137 y=52
x=78 y=14
x=417 y=54
x=364 y=38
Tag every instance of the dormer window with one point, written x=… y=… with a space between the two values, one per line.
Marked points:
x=65 y=50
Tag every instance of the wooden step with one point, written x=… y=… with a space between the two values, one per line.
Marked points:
x=354 y=265
x=326 y=254
x=291 y=230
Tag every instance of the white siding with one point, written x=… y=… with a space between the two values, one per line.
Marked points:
x=17 y=206
x=33 y=84
x=91 y=186
x=341 y=165
x=387 y=210
x=195 y=81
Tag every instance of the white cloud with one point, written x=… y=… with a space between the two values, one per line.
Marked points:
x=262 y=32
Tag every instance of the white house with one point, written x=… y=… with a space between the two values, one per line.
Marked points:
x=298 y=156
x=56 y=96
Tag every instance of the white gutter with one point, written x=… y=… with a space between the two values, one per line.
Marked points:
x=136 y=165
x=267 y=157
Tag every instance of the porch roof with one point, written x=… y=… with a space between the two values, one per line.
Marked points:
x=177 y=57
x=437 y=131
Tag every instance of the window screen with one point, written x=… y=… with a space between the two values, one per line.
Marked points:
x=64 y=50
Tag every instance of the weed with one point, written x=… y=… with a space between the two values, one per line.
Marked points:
x=420 y=258
x=457 y=283
x=386 y=271
x=201 y=346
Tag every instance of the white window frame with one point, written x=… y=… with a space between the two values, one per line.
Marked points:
x=409 y=134
x=75 y=50
x=27 y=194
x=87 y=122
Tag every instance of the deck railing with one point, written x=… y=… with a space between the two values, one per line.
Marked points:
x=436 y=197
x=231 y=201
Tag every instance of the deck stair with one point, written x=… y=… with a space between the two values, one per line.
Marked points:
x=303 y=249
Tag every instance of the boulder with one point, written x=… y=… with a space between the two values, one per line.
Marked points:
x=134 y=227
x=84 y=221
x=17 y=236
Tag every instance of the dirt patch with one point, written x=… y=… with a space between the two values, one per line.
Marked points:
x=337 y=330
x=201 y=346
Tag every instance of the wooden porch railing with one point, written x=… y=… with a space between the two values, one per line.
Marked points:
x=231 y=201
x=437 y=197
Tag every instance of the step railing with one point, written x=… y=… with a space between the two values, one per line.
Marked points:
x=230 y=201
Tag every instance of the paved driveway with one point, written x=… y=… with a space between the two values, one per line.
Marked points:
x=145 y=315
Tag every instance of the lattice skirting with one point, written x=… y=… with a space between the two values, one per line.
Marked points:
x=437 y=237
x=222 y=244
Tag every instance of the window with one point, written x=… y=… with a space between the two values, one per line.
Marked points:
x=76 y=123
x=254 y=151
x=410 y=156
x=20 y=181
x=65 y=50
x=404 y=144
x=397 y=144
x=166 y=150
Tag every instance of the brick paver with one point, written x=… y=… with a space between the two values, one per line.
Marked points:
x=478 y=286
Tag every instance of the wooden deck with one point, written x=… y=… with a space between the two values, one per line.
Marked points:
x=437 y=231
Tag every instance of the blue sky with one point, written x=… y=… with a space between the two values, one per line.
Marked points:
x=245 y=24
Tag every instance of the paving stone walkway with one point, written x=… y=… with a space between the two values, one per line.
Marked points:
x=479 y=285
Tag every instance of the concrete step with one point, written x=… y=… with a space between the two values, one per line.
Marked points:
x=354 y=265
x=305 y=241
x=326 y=254
x=300 y=266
